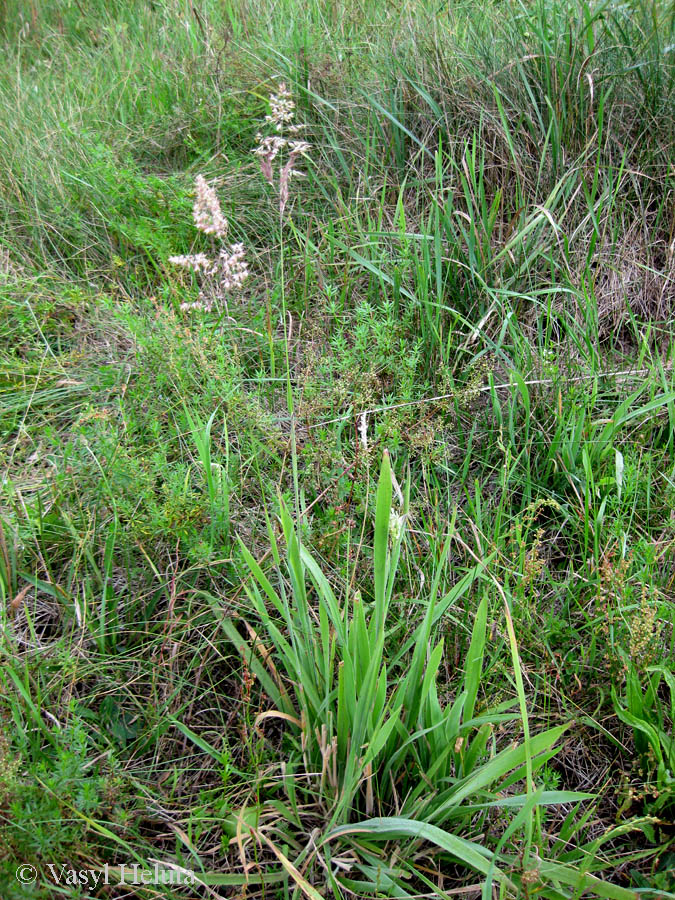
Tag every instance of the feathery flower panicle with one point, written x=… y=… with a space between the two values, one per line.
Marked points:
x=297 y=149
x=229 y=271
x=282 y=108
x=198 y=262
x=267 y=151
x=206 y=211
x=203 y=304
x=269 y=146
x=282 y=116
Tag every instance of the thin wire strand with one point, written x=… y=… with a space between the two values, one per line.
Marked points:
x=484 y=389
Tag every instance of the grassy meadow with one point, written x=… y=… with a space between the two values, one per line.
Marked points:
x=337 y=447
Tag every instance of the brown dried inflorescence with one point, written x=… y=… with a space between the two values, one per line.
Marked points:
x=645 y=632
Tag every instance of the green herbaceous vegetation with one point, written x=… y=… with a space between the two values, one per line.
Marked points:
x=346 y=569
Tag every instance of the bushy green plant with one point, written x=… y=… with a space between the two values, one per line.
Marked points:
x=369 y=730
x=647 y=706
x=49 y=799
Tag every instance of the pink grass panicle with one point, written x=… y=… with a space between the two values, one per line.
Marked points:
x=228 y=272
x=289 y=150
x=198 y=262
x=231 y=269
x=206 y=211
x=282 y=108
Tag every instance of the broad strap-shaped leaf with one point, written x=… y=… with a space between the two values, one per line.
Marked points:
x=497 y=768
x=474 y=659
x=380 y=552
x=472 y=855
x=582 y=882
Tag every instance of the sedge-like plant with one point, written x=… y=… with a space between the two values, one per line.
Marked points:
x=650 y=716
x=371 y=743
x=216 y=475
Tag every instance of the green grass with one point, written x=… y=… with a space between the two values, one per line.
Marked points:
x=360 y=583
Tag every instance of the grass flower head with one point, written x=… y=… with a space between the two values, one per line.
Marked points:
x=228 y=272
